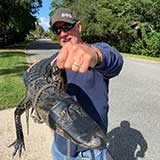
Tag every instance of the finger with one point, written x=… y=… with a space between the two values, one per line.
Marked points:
x=69 y=61
x=61 y=57
x=77 y=62
x=75 y=67
x=75 y=56
x=73 y=60
x=85 y=65
x=53 y=61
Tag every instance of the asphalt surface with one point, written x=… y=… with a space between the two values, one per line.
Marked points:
x=41 y=49
x=134 y=103
x=135 y=98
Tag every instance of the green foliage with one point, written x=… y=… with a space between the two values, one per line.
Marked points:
x=17 y=19
x=148 y=46
x=153 y=44
x=52 y=36
x=118 y=22
x=38 y=33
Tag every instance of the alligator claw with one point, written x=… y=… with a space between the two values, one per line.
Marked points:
x=18 y=145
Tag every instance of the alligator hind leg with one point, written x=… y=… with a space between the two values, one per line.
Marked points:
x=19 y=142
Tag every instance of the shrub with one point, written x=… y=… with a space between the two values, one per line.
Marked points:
x=149 y=45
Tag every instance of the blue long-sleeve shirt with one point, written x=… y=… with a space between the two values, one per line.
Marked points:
x=90 y=89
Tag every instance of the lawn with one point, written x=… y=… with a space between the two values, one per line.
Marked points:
x=154 y=59
x=12 y=65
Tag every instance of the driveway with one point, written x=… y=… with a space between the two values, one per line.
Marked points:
x=134 y=104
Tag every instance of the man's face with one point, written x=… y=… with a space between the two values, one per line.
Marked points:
x=72 y=35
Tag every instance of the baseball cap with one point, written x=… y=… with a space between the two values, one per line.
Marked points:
x=64 y=15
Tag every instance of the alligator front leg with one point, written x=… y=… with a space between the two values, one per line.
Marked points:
x=19 y=142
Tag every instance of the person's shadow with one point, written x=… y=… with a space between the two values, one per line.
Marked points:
x=126 y=143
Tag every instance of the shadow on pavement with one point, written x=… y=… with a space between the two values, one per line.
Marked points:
x=126 y=143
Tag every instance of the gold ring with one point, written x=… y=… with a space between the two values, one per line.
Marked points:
x=76 y=64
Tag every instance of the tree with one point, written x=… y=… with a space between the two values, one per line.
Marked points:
x=17 y=19
x=114 y=21
x=39 y=32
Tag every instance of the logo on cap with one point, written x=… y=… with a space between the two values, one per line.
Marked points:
x=66 y=15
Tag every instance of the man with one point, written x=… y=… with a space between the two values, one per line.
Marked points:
x=89 y=68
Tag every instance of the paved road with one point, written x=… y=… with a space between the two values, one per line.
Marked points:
x=41 y=49
x=134 y=103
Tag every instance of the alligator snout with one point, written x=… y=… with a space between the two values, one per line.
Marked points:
x=93 y=140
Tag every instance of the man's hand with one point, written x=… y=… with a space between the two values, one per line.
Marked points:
x=77 y=57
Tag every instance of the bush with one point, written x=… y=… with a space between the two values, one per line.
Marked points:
x=149 y=45
x=153 y=44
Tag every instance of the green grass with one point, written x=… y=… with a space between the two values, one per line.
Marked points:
x=12 y=65
x=154 y=59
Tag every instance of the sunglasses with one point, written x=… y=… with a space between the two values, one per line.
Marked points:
x=65 y=28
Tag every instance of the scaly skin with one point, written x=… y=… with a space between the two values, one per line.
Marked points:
x=50 y=103
x=19 y=142
x=39 y=75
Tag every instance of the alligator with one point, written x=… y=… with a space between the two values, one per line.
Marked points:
x=47 y=98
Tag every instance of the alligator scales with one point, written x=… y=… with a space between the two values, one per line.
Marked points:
x=50 y=103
